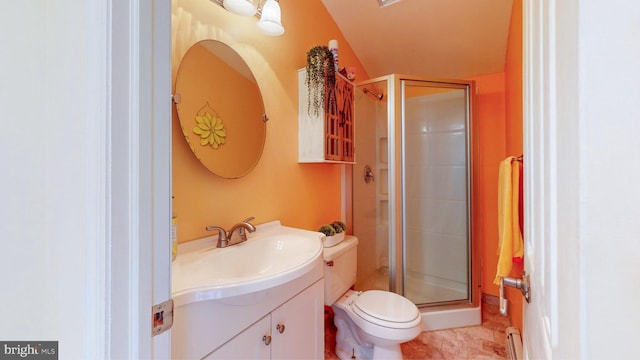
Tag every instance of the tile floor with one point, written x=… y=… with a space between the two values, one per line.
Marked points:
x=486 y=341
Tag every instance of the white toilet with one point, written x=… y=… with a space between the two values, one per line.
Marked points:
x=371 y=324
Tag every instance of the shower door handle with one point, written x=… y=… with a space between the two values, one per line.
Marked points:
x=522 y=284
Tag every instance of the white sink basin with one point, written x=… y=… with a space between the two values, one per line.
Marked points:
x=272 y=256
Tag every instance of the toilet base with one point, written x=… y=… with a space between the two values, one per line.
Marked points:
x=352 y=343
x=361 y=352
x=392 y=352
x=349 y=345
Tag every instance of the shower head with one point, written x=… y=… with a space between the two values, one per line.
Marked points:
x=378 y=96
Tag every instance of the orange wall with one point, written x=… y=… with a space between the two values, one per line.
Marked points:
x=513 y=84
x=300 y=195
x=490 y=133
x=500 y=135
x=513 y=70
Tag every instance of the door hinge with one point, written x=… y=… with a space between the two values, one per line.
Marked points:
x=161 y=317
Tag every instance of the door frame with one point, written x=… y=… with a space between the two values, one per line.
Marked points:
x=133 y=92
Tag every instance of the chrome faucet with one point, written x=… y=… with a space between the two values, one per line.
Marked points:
x=225 y=237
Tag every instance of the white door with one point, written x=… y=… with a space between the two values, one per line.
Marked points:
x=539 y=182
x=581 y=126
x=550 y=200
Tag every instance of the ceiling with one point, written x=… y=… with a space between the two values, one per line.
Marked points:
x=453 y=39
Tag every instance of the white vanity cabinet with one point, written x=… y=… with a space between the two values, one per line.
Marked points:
x=301 y=331
x=294 y=330
x=249 y=344
x=229 y=302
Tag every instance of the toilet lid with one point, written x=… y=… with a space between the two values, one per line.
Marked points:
x=376 y=305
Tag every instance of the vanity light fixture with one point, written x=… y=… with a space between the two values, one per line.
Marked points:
x=241 y=7
x=268 y=11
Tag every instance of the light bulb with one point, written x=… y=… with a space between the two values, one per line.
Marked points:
x=270 y=19
x=240 y=7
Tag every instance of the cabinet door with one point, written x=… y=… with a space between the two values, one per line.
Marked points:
x=248 y=344
x=332 y=130
x=339 y=121
x=297 y=326
x=344 y=98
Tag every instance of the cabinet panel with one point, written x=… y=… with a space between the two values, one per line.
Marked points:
x=296 y=331
x=248 y=344
x=301 y=320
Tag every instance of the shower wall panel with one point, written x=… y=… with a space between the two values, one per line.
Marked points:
x=365 y=195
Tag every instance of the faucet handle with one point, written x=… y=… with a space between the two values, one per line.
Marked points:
x=243 y=231
x=222 y=235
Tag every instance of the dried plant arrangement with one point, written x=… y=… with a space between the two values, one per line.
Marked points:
x=320 y=71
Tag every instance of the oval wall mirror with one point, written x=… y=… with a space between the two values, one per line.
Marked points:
x=220 y=109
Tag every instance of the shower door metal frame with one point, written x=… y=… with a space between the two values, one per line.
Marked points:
x=400 y=82
x=395 y=217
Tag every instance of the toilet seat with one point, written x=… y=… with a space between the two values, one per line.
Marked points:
x=386 y=309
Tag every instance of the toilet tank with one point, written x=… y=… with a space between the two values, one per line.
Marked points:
x=340 y=268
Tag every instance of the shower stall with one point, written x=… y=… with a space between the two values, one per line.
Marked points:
x=411 y=195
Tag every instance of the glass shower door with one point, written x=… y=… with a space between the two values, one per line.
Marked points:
x=435 y=192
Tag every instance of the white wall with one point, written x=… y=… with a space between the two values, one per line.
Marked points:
x=47 y=206
x=609 y=154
